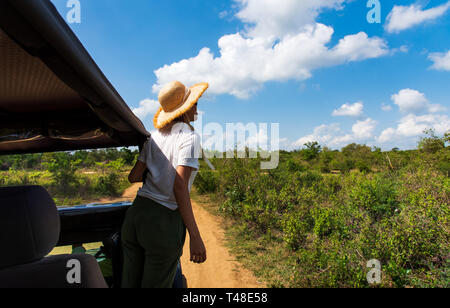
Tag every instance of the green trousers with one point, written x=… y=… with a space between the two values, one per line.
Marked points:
x=152 y=240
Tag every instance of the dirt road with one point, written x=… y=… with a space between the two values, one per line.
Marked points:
x=220 y=270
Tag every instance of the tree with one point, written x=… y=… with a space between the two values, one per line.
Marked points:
x=62 y=168
x=356 y=149
x=127 y=155
x=432 y=143
x=446 y=137
x=312 y=150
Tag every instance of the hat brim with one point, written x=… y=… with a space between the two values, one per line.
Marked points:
x=163 y=118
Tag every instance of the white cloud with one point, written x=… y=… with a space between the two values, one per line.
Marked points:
x=413 y=101
x=281 y=42
x=405 y=17
x=323 y=134
x=412 y=126
x=420 y=115
x=386 y=135
x=386 y=107
x=404 y=49
x=351 y=110
x=332 y=135
x=269 y=18
x=404 y=135
x=364 y=129
x=261 y=140
x=146 y=107
x=359 y=47
x=441 y=61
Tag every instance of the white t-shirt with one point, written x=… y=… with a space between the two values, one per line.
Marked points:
x=163 y=153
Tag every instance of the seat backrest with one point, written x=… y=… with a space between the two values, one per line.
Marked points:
x=29 y=230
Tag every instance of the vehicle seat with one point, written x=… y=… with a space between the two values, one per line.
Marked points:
x=29 y=230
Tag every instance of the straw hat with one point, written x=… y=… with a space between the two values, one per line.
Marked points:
x=175 y=100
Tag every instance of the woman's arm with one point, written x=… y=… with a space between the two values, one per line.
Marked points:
x=181 y=191
x=137 y=173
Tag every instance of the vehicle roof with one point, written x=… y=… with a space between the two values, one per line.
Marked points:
x=53 y=96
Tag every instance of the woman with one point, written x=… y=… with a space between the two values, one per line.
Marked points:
x=154 y=229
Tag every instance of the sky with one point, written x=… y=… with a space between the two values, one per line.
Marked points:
x=332 y=71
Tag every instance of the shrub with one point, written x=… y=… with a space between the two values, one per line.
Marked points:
x=206 y=181
x=116 y=165
x=62 y=169
x=376 y=194
x=362 y=166
x=293 y=166
x=108 y=184
x=432 y=143
x=295 y=228
x=342 y=164
x=324 y=221
x=309 y=178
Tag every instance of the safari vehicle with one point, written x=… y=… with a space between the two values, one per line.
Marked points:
x=53 y=97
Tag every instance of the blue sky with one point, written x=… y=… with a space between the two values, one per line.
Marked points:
x=318 y=68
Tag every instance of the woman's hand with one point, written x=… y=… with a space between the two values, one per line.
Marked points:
x=198 y=250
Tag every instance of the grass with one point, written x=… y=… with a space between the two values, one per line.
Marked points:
x=266 y=258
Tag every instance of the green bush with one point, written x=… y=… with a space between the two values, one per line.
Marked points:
x=62 y=169
x=376 y=194
x=295 y=226
x=362 y=167
x=312 y=150
x=108 y=184
x=324 y=221
x=206 y=181
x=394 y=208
